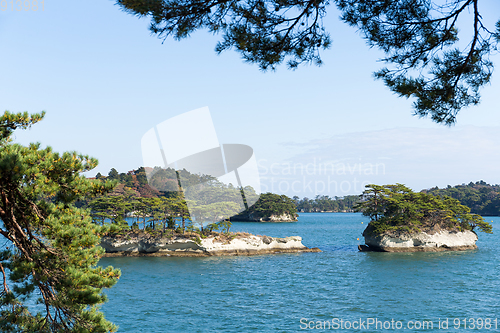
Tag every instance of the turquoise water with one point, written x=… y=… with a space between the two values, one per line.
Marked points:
x=295 y=292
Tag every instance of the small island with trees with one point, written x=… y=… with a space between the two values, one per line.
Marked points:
x=269 y=208
x=152 y=215
x=406 y=221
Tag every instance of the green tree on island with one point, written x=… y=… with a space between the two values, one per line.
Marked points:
x=51 y=254
x=419 y=39
x=267 y=206
x=396 y=209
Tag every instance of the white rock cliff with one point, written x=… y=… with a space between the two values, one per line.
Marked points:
x=443 y=240
x=210 y=246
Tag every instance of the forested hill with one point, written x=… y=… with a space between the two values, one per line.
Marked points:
x=482 y=198
x=134 y=183
x=324 y=203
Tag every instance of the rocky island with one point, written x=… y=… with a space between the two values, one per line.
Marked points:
x=405 y=221
x=264 y=218
x=190 y=244
x=269 y=208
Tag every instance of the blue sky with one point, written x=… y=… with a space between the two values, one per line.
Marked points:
x=104 y=81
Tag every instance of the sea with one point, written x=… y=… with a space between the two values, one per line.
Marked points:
x=338 y=289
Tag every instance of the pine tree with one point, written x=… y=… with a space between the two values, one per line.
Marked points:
x=396 y=208
x=113 y=174
x=51 y=254
x=420 y=40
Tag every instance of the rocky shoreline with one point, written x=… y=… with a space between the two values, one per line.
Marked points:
x=143 y=244
x=442 y=240
x=259 y=218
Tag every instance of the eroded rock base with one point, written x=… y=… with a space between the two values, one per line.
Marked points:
x=365 y=248
x=143 y=245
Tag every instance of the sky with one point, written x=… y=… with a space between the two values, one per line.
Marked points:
x=104 y=81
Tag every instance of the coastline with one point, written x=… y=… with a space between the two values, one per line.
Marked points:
x=200 y=253
x=234 y=244
x=365 y=248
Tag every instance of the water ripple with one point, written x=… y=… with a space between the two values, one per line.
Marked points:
x=271 y=293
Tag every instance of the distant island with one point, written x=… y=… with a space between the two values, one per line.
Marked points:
x=326 y=204
x=269 y=208
x=405 y=221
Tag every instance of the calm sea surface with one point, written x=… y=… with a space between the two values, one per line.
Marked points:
x=296 y=292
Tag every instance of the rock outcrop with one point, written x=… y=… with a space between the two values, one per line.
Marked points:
x=143 y=244
x=259 y=218
x=440 y=240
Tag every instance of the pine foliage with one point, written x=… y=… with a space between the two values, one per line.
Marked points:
x=51 y=281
